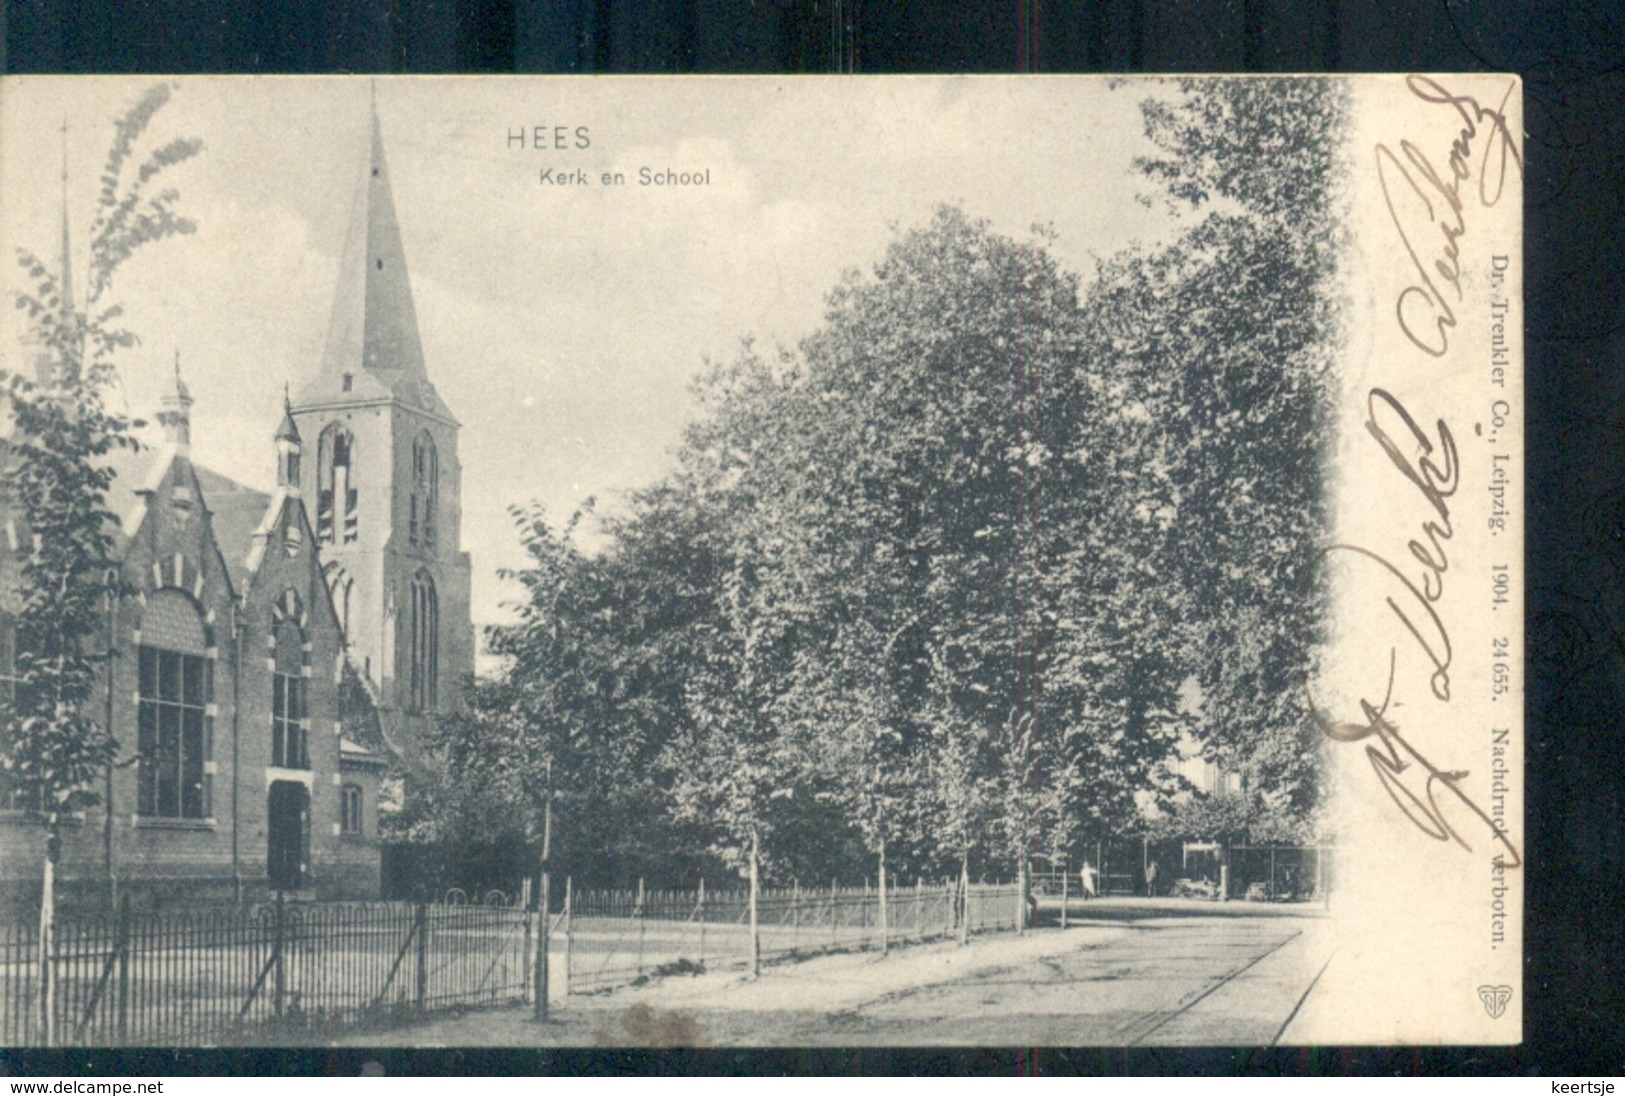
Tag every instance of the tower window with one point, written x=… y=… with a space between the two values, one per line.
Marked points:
x=379 y=263
x=336 y=518
x=349 y=381
x=425 y=488
x=425 y=644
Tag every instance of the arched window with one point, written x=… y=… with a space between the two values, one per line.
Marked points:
x=342 y=587
x=290 y=748
x=425 y=489
x=350 y=809
x=425 y=648
x=335 y=487
x=174 y=687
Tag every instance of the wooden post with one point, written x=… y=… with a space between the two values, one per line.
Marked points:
x=964 y=899
x=637 y=911
x=919 y=908
x=699 y=909
x=1066 y=896
x=834 y=901
x=423 y=957
x=795 y=914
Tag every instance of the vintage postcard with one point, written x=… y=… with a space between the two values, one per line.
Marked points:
x=761 y=562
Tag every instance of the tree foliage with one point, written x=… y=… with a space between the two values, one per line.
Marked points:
x=56 y=476
x=942 y=587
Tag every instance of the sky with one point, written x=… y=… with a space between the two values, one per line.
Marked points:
x=561 y=324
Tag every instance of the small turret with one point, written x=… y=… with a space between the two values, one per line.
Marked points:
x=289 y=448
x=175 y=411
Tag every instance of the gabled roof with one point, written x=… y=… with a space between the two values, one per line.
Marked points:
x=237 y=511
x=136 y=472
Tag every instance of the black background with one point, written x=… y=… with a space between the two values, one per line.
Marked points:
x=1572 y=57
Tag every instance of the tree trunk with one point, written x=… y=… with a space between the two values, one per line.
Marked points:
x=1024 y=889
x=755 y=935
x=1066 y=872
x=884 y=935
x=47 y=932
x=541 y=984
x=964 y=897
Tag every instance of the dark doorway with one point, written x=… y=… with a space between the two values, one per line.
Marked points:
x=288 y=832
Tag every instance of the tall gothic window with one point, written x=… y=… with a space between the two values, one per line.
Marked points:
x=350 y=809
x=425 y=669
x=289 y=730
x=172 y=725
x=425 y=489
x=335 y=487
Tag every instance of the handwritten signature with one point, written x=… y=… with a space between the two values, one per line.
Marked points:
x=1435 y=474
x=1416 y=191
x=1399 y=776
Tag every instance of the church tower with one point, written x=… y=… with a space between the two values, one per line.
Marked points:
x=381 y=475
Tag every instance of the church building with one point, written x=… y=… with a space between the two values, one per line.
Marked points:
x=279 y=656
x=385 y=482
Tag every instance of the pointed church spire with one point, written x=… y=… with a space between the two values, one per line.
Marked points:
x=64 y=250
x=287 y=431
x=375 y=325
x=48 y=361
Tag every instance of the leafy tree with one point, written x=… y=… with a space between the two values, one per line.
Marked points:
x=943 y=581
x=56 y=476
x=1242 y=315
x=54 y=479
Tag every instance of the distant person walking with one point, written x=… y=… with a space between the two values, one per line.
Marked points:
x=1151 y=879
x=1087 y=875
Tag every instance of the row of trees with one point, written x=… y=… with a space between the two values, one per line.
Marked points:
x=940 y=589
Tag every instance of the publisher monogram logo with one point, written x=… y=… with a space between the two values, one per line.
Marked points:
x=1495 y=999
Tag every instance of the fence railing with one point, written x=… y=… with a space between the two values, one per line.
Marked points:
x=617 y=937
x=229 y=975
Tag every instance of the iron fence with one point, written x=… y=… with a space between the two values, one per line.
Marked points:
x=619 y=937
x=207 y=977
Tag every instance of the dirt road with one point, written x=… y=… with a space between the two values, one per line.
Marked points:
x=1124 y=972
